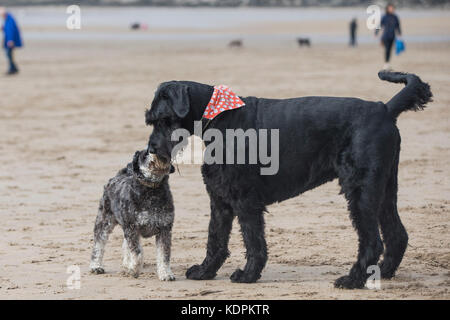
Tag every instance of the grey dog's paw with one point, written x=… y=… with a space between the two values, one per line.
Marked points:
x=167 y=277
x=126 y=272
x=98 y=270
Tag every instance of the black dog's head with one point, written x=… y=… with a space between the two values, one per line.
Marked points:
x=150 y=168
x=169 y=106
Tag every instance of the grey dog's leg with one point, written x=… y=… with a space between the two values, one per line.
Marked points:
x=163 y=244
x=125 y=254
x=104 y=225
x=133 y=253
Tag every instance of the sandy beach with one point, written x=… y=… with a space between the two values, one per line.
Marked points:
x=75 y=115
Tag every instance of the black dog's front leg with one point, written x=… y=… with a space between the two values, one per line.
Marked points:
x=252 y=228
x=217 y=248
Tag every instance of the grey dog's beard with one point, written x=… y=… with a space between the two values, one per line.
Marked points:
x=146 y=168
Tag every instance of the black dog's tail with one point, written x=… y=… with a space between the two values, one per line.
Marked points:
x=414 y=96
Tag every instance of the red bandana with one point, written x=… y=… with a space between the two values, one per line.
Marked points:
x=223 y=99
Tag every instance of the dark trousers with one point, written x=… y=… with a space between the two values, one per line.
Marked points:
x=388 y=48
x=353 y=39
x=12 y=65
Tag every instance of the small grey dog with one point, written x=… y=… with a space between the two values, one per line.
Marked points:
x=139 y=199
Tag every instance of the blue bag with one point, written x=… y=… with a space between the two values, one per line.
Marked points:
x=399 y=46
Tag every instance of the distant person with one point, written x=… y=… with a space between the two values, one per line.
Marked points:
x=11 y=40
x=391 y=27
x=353 y=28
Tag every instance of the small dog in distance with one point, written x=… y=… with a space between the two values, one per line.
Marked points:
x=238 y=43
x=304 y=42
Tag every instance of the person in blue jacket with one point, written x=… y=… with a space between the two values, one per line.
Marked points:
x=11 y=40
x=391 y=27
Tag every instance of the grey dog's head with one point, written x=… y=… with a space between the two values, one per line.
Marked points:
x=170 y=106
x=147 y=167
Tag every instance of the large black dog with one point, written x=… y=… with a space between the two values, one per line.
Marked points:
x=320 y=139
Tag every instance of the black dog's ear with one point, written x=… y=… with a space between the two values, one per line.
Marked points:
x=172 y=169
x=179 y=96
x=148 y=117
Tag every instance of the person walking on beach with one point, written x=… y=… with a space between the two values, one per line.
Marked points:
x=353 y=27
x=391 y=27
x=11 y=39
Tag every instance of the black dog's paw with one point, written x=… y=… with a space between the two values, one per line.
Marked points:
x=346 y=282
x=240 y=276
x=386 y=270
x=198 y=272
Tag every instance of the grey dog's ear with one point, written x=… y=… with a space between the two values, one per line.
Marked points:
x=135 y=163
x=179 y=96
